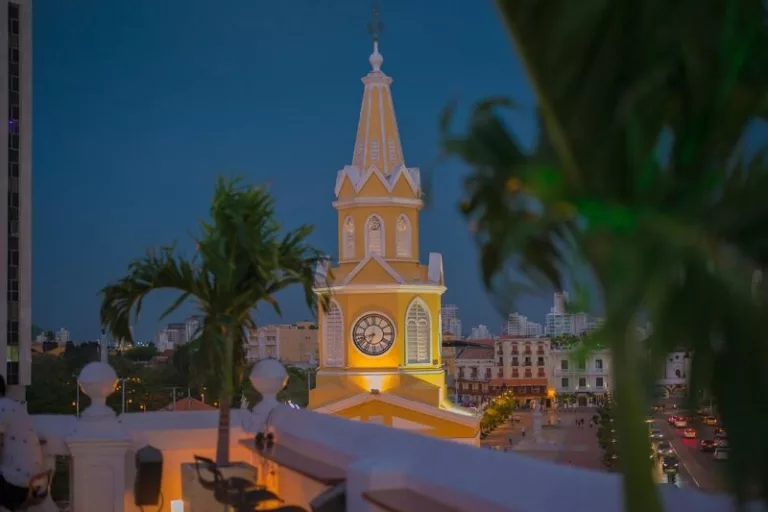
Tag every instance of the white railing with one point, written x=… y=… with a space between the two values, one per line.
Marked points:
x=313 y=451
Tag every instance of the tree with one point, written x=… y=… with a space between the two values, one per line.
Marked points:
x=638 y=186
x=243 y=259
x=141 y=352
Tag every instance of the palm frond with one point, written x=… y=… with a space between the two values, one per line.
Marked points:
x=159 y=269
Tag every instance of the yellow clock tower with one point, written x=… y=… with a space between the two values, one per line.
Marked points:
x=380 y=335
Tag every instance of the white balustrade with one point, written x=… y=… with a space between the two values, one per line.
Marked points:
x=313 y=451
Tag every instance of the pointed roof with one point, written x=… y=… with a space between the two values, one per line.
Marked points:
x=377 y=143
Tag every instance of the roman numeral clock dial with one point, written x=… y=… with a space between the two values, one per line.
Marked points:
x=373 y=334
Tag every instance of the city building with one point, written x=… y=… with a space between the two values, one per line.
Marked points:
x=171 y=336
x=520 y=326
x=673 y=382
x=534 y=329
x=380 y=336
x=294 y=344
x=191 y=327
x=16 y=198
x=475 y=369
x=449 y=315
x=522 y=367
x=560 y=322
x=480 y=332
x=581 y=379
x=62 y=336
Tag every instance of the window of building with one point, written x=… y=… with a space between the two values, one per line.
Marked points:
x=392 y=153
x=403 y=238
x=527 y=361
x=374 y=150
x=333 y=336
x=374 y=236
x=515 y=361
x=599 y=364
x=582 y=382
x=540 y=361
x=515 y=373
x=564 y=382
x=487 y=373
x=418 y=334
x=349 y=238
x=599 y=382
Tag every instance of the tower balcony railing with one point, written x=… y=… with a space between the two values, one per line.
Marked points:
x=305 y=458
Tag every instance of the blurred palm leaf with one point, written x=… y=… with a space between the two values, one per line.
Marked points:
x=243 y=259
x=675 y=235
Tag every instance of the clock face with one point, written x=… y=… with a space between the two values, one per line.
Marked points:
x=373 y=334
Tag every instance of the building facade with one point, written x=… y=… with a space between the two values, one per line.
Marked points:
x=16 y=196
x=380 y=334
x=294 y=344
x=581 y=381
x=480 y=332
x=451 y=320
x=475 y=369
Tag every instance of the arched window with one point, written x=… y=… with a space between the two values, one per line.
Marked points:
x=403 y=237
x=418 y=334
x=333 y=336
x=349 y=238
x=374 y=236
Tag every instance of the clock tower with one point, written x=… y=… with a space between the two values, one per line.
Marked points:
x=380 y=332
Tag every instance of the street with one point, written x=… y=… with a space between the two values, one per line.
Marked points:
x=697 y=467
x=578 y=446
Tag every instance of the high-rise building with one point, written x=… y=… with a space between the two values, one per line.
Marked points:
x=16 y=196
x=62 y=336
x=191 y=327
x=516 y=325
x=449 y=314
x=481 y=332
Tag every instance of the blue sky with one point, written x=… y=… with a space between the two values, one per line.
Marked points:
x=140 y=105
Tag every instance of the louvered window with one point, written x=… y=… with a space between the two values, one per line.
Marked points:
x=349 y=238
x=403 y=237
x=375 y=236
x=333 y=336
x=392 y=152
x=417 y=334
x=374 y=150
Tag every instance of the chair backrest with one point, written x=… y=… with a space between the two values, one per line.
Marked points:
x=38 y=488
x=212 y=468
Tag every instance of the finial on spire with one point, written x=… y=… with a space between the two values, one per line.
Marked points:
x=375 y=29
x=375 y=26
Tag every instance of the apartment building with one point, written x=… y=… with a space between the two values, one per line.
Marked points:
x=293 y=344
x=583 y=378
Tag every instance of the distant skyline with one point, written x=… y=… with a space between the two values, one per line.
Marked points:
x=139 y=106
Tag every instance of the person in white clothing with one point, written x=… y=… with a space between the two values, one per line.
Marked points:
x=21 y=456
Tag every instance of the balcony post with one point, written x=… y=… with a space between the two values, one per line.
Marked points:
x=98 y=446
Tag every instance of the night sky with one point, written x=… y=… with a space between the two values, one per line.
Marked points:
x=139 y=105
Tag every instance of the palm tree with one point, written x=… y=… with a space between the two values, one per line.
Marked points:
x=639 y=188
x=243 y=259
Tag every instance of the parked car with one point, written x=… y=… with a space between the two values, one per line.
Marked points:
x=721 y=453
x=670 y=464
x=664 y=449
x=707 y=445
x=689 y=433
